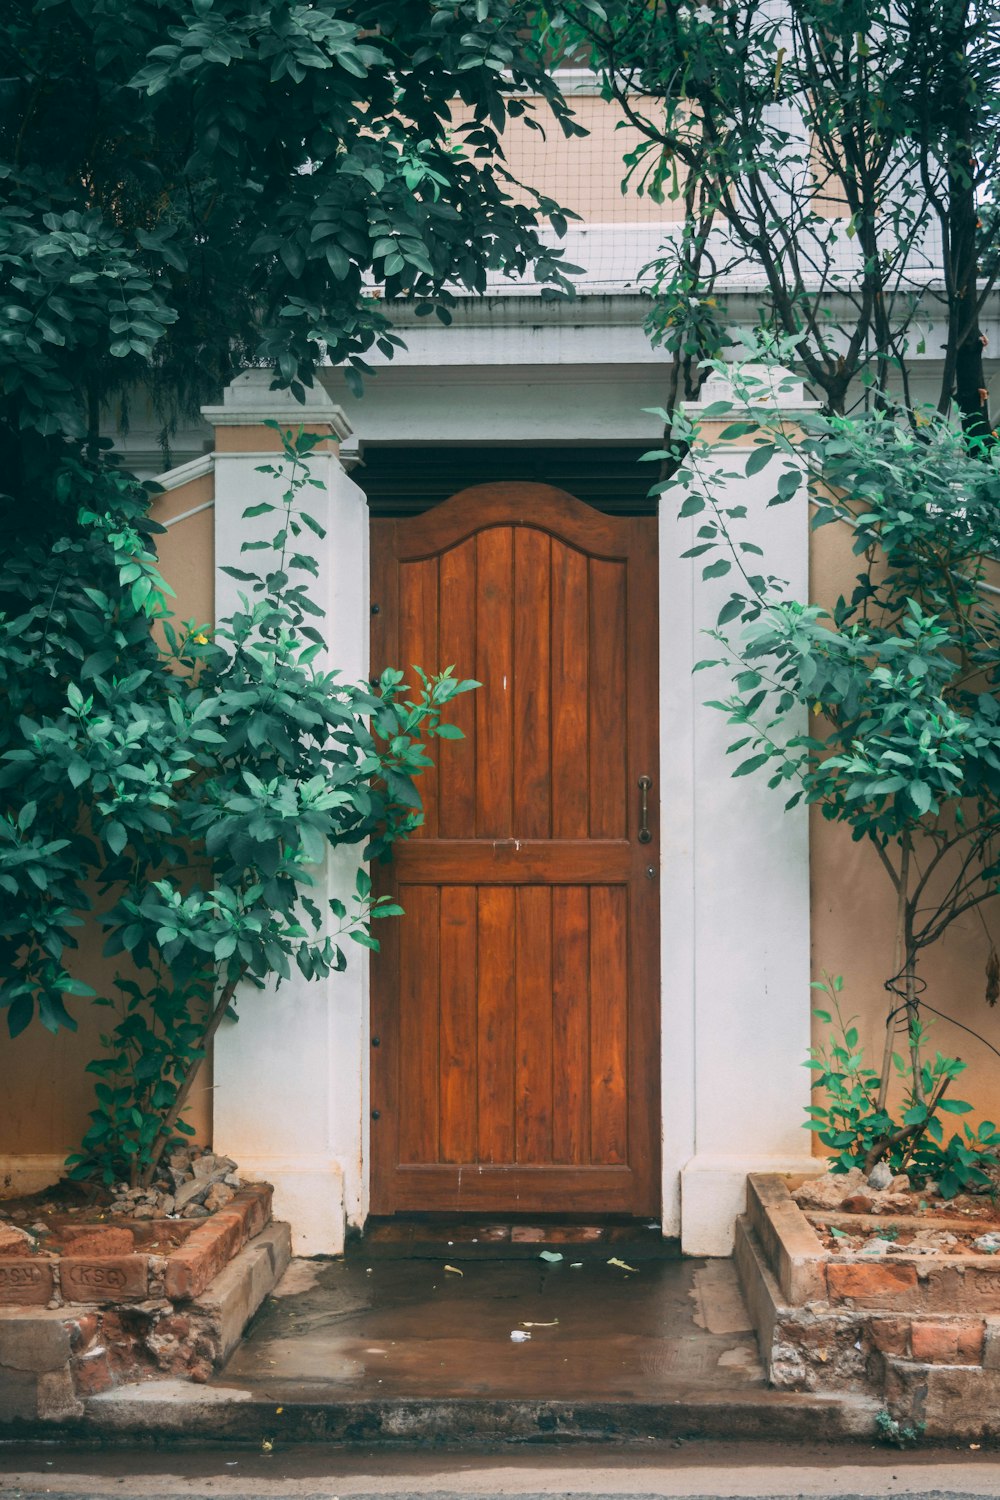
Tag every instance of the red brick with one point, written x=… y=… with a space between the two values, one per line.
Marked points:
x=91 y=1241
x=26 y=1283
x=14 y=1242
x=121 y=1278
x=203 y=1255
x=253 y=1204
x=950 y=1341
x=889 y=1335
x=869 y=1281
x=92 y=1373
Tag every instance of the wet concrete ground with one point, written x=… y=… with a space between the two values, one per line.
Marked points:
x=352 y=1330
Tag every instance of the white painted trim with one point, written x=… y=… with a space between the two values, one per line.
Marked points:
x=308 y=1196
x=195 y=468
x=249 y=401
x=714 y=1192
x=224 y=416
x=186 y=515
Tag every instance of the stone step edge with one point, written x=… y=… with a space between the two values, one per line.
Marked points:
x=212 y=1413
x=37 y=1355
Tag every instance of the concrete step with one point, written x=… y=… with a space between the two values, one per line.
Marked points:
x=183 y=1413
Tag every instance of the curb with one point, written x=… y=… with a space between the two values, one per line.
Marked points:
x=149 y=1414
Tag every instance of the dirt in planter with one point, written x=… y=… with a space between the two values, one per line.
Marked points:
x=76 y=1219
x=851 y=1216
x=887 y=1238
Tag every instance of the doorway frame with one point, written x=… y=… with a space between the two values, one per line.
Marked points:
x=734 y=869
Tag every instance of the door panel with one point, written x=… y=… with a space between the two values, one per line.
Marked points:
x=515 y=1016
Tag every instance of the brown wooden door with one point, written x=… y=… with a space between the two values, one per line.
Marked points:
x=515 y=1009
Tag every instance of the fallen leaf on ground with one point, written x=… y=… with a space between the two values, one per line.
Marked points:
x=454 y=1270
x=622 y=1265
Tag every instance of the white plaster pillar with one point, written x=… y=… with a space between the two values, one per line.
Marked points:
x=735 y=914
x=291 y=1076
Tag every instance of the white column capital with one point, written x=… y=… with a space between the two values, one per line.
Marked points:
x=249 y=401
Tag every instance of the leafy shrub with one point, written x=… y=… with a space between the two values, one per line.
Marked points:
x=859 y=1130
x=184 y=794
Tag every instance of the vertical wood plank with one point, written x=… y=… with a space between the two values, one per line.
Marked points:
x=495 y=670
x=610 y=709
x=418 y=641
x=456 y=759
x=570 y=1024
x=533 y=1080
x=570 y=716
x=458 y=1023
x=496 y=921
x=608 y=1024
x=419 y=1023
x=532 y=726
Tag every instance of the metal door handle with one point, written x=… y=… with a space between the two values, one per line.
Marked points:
x=645 y=782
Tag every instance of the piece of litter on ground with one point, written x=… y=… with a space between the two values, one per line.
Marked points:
x=454 y=1270
x=518 y=1336
x=576 y=1265
x=553 y=1324
x=622 y=1265
x=551 y=1256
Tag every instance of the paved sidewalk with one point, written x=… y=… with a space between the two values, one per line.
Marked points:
x=412 y=1328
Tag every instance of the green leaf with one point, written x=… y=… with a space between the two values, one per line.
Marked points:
x=759 y=458
x=753 y=764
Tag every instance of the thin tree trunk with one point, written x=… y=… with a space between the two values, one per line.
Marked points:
x=174 y=1113
x=899 y=951
x=965 y=336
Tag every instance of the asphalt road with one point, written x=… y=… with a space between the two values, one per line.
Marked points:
x=722 y=1471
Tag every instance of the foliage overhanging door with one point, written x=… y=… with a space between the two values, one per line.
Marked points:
x=515 y=1011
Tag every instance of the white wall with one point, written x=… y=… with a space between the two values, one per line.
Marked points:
x=290 y=1075
x=735 y=933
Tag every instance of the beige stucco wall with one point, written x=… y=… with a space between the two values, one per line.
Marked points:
x=853 y=915
x=187 y=549
x=47 y=1094
x=583 y=173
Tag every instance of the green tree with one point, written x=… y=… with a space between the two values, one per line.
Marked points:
x=188 y=188
x=841 y=156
